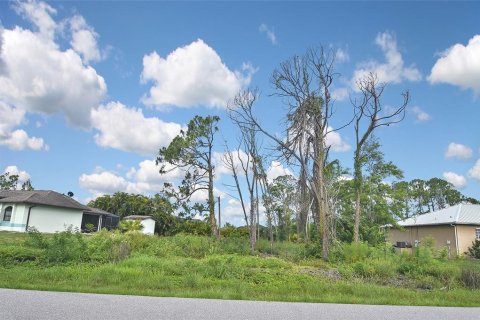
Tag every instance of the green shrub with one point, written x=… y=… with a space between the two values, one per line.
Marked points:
x=383 y=268
x=193 y=246
x=90 y=227
x=355 y=251
x=35 y=239
x=130 y=225
x=363 y=269
x=423 y=255
x=105 y=246
x=474 y=250
x=313 y=250
x=66 y=246
x=346 y=271
x=10 y=255
x=406 y=264
x=235 y=245
x=442 y=254
x=384 y=250
x=470 y=277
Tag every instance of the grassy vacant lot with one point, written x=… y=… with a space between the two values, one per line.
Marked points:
x=190 y=266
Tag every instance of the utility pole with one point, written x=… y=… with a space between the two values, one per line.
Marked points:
x=219 y=221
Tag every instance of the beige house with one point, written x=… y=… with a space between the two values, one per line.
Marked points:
x=455 y=228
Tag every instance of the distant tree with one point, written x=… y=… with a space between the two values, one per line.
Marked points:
x=380 y=200
x=304 y=83
x=247 y=165
x=370 y=114
x=282 y=194
x=192 y=152
x=124 y=204
x=10 y=182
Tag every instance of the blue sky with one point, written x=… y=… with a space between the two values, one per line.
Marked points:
x=90 y=90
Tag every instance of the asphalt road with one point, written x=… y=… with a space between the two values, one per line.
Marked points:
x=24 y=304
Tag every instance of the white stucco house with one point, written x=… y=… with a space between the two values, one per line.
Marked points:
x=147 y=222
x=48 y=211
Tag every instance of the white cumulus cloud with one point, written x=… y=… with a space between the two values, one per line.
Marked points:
x=190 y=76
x=18 y=139
x=103 y=183
x=474 y=172
x=269 y=33
x=40 y=14
x=459 y=66
x=340 y=94
x=341 y=55
x=393 y=69
x=84 y=39
x=335 y=141
x=458 y=151
x=143 y=179
x=421 y=115
x=22 y=174
x=276 y=169
x=38 y=76
x=128 y=129
x=458 y=181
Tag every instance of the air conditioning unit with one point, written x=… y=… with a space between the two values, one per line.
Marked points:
x=401 y=244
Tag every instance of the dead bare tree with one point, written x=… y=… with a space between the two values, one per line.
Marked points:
x=370 y=115
x=248 y=163
x=304 y=83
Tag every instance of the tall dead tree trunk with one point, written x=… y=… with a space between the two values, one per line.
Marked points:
x=370 y=114
x=304 y=83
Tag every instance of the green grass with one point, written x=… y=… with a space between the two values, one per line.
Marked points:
x=186 y=266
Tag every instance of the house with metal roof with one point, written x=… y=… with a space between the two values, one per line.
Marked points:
x=455 y=228
x=49 y=211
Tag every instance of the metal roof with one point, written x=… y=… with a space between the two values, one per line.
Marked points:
x=458 y=214
x=100 y=212
x=136 y=217
x=41 y=197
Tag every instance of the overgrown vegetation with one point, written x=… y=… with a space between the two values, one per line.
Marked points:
x=200 y=266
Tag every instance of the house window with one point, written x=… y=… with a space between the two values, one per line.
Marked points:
x=477 y=233
x=7 y=214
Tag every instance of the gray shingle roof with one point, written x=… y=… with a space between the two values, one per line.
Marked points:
x=458 y=214
x=42 y=197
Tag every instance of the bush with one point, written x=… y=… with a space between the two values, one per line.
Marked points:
x=355 y=251
x=105 y=246
x=130 y=225
x=383 y=268
x=363 y=269
x=99 y=247
x=11 y=255
x=66 y=246
x=35 y=239
x=474 y=250
x=470 y=277
x=423 y=255
x=442 y=254
x=235 y=245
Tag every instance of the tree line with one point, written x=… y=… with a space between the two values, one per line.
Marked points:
x=319 y=195
x=323 y=201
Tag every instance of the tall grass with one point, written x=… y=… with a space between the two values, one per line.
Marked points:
x=196 y=266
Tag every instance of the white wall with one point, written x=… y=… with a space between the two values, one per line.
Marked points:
x=148 y=226
x=52 y=219
x=18 y=219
